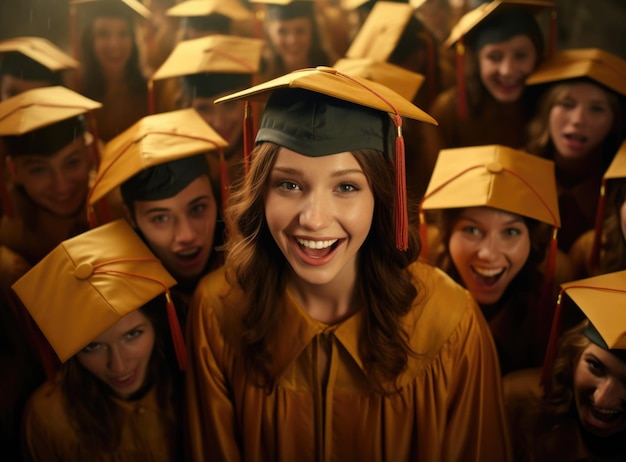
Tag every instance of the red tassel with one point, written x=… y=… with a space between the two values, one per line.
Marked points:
x=177 y=334
x=151 y=103
x=551 y=350
x=91 y=217
x=248 y=133
x=546 y=304
x=594 y=258
x=460 y=80
x=224 y=183
x=401 y=214
x=553 y=32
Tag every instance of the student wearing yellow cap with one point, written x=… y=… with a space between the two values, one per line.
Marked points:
x=322 y=337
x=580 y=125
x=496 y=207
x=116 y=395
x=579 y=413
x=31 y=62
x=202 y=18
x=498 y=45
x=160 y=166
x=208 y=68
x=111 y=71
x=603 y=249
x=292 y=37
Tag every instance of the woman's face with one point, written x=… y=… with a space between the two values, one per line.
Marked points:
x=180 y=229
x=600 y=391
x=226 y=118
x=57 y=183
x=319 y=211
x=292 y=40
x=119 y=357
x=112 y=43
x=580 y=120
x=504 y=67
x=488 y=247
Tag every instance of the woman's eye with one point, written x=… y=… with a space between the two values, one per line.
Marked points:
x=595 y=366
x=288 y=185
x=159 y=219
x=134 y=334
x=37 y=171
x=567 y=103
x=92 y=347
x=473 y=230
x=347 y=187
x=597 y=108
x=512 y=232
x=198 y=209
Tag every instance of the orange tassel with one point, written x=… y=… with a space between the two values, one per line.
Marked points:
x=248 y=133
x=551 y=350
x=460 y=80
x=401 y=214
x=546 y=303
x=177 y=334
x=597 y=233
x=224 y=183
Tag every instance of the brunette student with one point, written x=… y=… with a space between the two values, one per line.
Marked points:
x=160 y=167
x=322 y=338
x=115 y=397
x=580 y=125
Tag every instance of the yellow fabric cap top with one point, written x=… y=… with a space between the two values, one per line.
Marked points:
x=602 y=299
x=474 y=17
x=153 y=140
x=592 y=63
x=330 y=82
x=88 y=283
x=132 y=6
x=40 y=50
x=381 y=31
x=617 y=169
x=212 y=54
x=494 y=176
x=41 y=107
x=404 y=82
x=232 y=9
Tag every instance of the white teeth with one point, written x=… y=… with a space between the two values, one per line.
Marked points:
x=186 y=253
x=316 y=244
x=606 y=411
x=488 y=272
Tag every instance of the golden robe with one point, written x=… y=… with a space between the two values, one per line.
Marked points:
x=148 y=432
x=449 y=405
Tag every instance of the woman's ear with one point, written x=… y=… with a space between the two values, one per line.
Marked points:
x=130 y=216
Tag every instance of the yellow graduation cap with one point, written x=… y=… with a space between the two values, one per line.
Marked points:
x=40 y=50
x=231 y=9
x=592 y=63
x=213 y=54
x=151 y=141
x=40 y=107
x=380 y=32
x=88 y=283
x=308 y=111
x=404 y=82
x=601 y=299
x=494 y=176
x=132 y=6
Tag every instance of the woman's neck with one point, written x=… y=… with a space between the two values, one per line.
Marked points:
x=329 y=303
x=572 y=171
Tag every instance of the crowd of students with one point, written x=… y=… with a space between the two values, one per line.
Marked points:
x=302 y=230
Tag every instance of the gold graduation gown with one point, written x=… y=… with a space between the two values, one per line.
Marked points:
x=449 y=406
x=148 y=431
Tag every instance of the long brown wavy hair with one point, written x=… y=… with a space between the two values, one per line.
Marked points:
x=540 y=141
x=613 y=247
x=384 y=281
x=558 y=400
x=88 y=401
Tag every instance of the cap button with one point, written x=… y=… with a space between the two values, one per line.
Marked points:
x=83 y=271
x=494 y=167
x=326 y=69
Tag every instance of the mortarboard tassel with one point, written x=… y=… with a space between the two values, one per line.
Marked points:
x=594 y=258
x=551 y=350
x=460 y=79
x=248 y=133
x=177 y=335
x=401 y=213
x=546 y=303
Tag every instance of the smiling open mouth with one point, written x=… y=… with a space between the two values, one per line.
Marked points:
x=317 y=249
x=487 y=276
x=606 y=416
